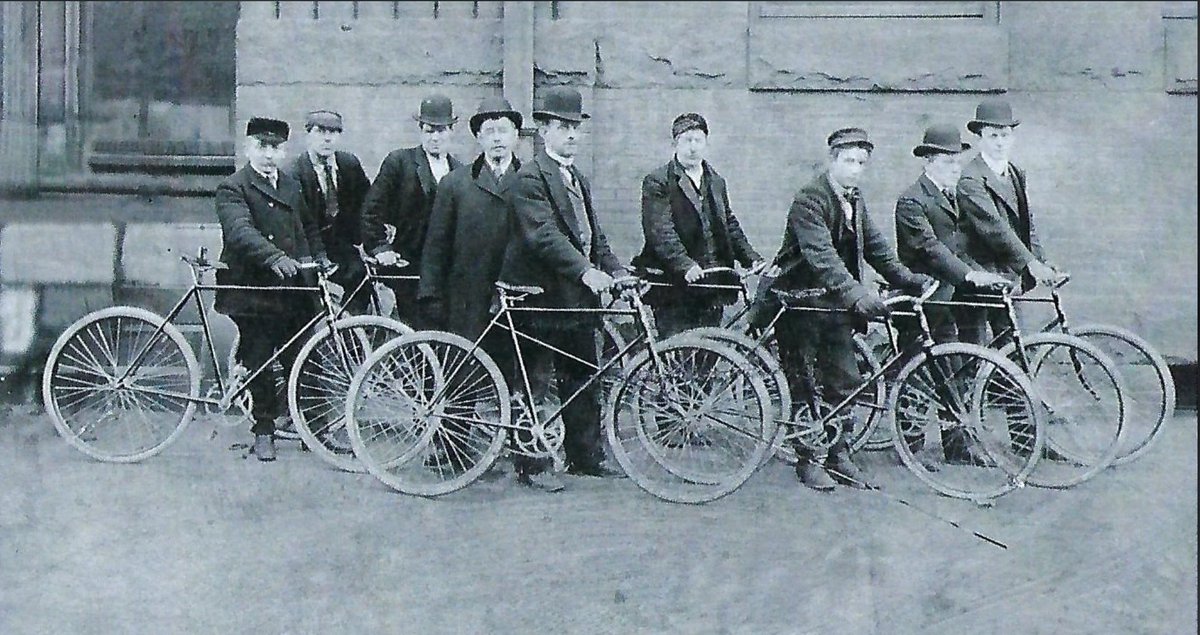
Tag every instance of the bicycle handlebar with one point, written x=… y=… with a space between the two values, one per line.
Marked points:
x=926 y=293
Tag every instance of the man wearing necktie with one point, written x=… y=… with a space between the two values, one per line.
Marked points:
x=931 y=239
x=828 y=241
x=464 y=249
x=267 y=231
x=403 y=194
x=556 y=243
x=334 y=185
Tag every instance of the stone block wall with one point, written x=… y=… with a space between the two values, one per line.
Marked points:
x=1105 y=92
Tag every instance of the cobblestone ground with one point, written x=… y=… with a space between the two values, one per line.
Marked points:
x=200 y=539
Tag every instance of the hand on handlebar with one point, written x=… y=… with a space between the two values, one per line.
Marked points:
x=988 y=280
x=387 y=258
x=285 y=268
x=693 y=274
x=1043 y=273
x=596 y=280
x=871 y=306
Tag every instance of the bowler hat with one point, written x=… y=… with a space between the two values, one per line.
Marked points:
x=850 y=137
x=995 y=113
x=562 y=102
x=941 y=139
x=494 y=108
x=436 y=110
x=326 y=119
x=267 y=130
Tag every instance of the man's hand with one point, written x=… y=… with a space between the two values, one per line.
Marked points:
x=693 y=274
x=871 y=306
x=285 y=268
x=387 y=258
x=597 y=281
x=1044 y=274
x=764 y=268
x=325 y=263
x=988 y=280
x=918 y=283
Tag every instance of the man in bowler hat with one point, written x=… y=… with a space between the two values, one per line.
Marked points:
x=688 y=226
x=464 y=250
x=931 y=239
x=992 y=195
x=557 y=244
x=828 y=242
x=334 y=186
x=266 y=231
x=403 y=194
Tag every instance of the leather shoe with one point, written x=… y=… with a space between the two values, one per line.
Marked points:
x=597 y=470
x=264 y=447
x=970 y=458
x=814 y=476
x=845 y=472
x=545 y=481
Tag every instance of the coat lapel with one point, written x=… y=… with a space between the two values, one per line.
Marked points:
x=559 y=198
x=689 y=190
x=938 y=196
x=264 y=186
x=424 y=173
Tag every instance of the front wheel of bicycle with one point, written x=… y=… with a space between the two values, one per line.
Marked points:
x=320 y=381
x=691 y=422
x=106 y=405
x=1085 y=410
x=1149 y=389
x=966 y=421
x=428 y=413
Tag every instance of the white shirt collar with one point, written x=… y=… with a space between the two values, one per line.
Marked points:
x=564 y=162
x=318 y=161
x=269 y=177
x=941 y=186
x=504 y=163
x=998 y=168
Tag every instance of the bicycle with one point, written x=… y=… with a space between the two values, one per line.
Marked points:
x=428 y=413
x=122 y=383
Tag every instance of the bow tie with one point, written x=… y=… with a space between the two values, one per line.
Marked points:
x=850 y=194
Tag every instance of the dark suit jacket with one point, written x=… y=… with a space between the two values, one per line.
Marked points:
x=259 y=226
x=1002 y=236
x=465 y=245
x=931 y=236
x=671 y=223
x=341 y=233
x=545 y=248
x=402 y=195
x=809 y=259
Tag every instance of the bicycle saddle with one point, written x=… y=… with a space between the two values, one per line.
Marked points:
x=516 y=288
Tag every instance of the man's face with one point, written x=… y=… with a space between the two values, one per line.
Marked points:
x=323 y=141
x=691 y=148
x=435 y=138
x=944 y=168
x=264 y=156
x=996 y=143
x=497 y=137
x=847 y=164
x=561 y=137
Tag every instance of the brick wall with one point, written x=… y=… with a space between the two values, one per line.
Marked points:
x=1105 y=91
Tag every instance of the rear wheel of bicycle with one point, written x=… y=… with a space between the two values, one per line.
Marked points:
x=426 y=414
x=1085 y=410
x=966 y=421
x=103 y=404
x=692 y=423
x=320 y=381
x=1148 y=387
x=768 y=369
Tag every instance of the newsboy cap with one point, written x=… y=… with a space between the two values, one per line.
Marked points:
x=267 y=130
x=688 y=121
x=326 y=119
x=850 y=137
x=436 y=110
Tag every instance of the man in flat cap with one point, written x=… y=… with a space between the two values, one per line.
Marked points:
x=267 y=231
x=403 y=194
x=992 y=195
x=688 y=226
x=464 y=250
x=827 y=244
x=557 y=244
x=334 y=186
x=931 y=239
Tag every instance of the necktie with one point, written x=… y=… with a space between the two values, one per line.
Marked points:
x=331 y=201
x=851 y=195
x=950 y=196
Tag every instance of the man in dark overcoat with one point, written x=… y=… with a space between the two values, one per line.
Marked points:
x=557 y=244
x=334 y=185
x=992 y=196
x=931 y=239
x=688 y=226
x=403 y=194
x=464 y=250
x=827 y=244
x=266 y=232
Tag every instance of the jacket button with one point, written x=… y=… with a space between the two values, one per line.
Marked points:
x=270 y=204
x=270 y=236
